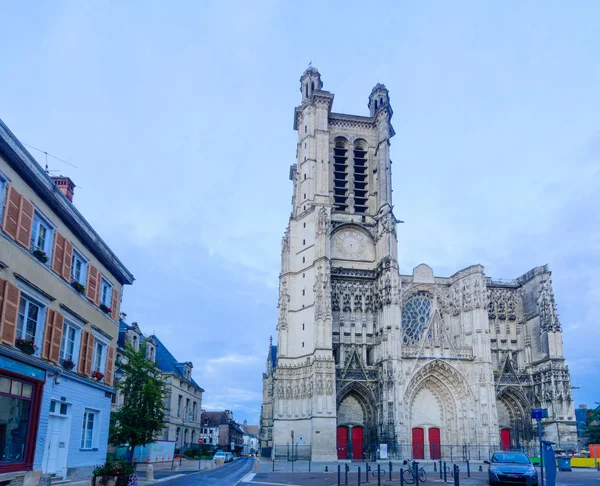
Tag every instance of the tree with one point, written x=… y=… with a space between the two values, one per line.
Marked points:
x=592 y=428
x=141 y=417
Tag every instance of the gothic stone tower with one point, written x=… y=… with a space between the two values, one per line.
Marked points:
x=341 y=232
x=366 y=355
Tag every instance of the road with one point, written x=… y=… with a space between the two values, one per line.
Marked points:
x=240 y=472
x=226 y=475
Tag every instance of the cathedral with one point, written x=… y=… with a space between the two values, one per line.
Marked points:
x=368 y=355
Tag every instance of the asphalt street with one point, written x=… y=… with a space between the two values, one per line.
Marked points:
x=226 y=475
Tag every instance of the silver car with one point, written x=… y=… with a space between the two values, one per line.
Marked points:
x=508 y=467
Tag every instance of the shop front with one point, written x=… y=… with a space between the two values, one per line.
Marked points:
x=21 y=386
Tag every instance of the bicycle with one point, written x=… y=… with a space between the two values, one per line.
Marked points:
x=409 y=475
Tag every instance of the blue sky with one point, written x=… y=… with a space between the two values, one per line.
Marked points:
x=178 y=116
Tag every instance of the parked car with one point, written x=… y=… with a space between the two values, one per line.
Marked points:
x=220 y=455
x=508 y=467
x=229 y=457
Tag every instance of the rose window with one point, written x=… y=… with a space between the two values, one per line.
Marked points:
x=415 y=317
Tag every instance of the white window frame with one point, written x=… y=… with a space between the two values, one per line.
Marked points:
x=104 y=346
x=3 y=187
x=93 y=443
x=40 y=220
x=84 y=267
x=106 y=284
x=77 y=326
x=42 y=302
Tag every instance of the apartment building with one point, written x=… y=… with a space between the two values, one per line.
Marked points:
x=60 y=291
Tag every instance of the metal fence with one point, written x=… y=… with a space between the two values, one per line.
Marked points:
x=292 y=452
x=398 y=452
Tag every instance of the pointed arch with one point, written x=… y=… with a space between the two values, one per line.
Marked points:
x=453 y=397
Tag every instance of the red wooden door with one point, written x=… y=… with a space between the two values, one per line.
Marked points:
x=342 y=442
x=357 y=442
x=418 y=443
x=434 y=443
x=505 y=438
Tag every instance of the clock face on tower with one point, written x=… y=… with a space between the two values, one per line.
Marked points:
x=350 y=244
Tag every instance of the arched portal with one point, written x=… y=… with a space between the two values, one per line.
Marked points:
x=356 y=421
x=513 y=417
x=438 y=400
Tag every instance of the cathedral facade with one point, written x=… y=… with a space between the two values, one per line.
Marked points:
x=367 y=355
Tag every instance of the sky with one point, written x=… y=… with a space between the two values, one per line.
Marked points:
x=178 y=117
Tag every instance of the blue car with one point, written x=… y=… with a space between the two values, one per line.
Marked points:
x=509 y=467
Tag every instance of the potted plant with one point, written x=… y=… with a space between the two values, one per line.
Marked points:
x=26 y=345
x=97 y=375
x=105 y=309
x=77 y=286
x=114 y=473
x=40 y=255
x=68 y=364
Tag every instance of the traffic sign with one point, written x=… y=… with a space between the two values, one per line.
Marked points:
x=199 y=440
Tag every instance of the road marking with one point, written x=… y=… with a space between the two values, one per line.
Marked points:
x=169 y=478
x=248 y=478
x=275 y=484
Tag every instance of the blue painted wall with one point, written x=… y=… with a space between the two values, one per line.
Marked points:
x=79 y=395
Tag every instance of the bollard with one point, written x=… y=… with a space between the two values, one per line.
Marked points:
x=378 y=474
x=434 y=466
x=346 y=473
x=468 y=469
x=326 y=469
x=401 y=476
x=358 y=475
x=445 y=477
x=150 y=472
x=273 y=465
x=480 y=468
x=309 y=465
x=367 y=469
x=390 y=463
x=339 y=475
x=416 y=469
x=456 y=476
x=441 y=469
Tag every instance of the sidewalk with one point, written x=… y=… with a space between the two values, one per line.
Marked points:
x=163 y=471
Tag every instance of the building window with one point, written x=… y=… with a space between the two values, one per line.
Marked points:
x=361 y=175
x=90 y=424
x=41 y=234
x=415 y=317
x=59 y=408
x=340 y=174
x=78 y=268
x=30 y=322
x=303 y=260
x=3 y=185
x=69 y=346
x=179 y=405
x=106 y=292
x=99 y=356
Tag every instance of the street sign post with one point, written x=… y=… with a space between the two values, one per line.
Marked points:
x=539 y=414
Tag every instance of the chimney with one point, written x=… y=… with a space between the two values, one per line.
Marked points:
x=66 y=186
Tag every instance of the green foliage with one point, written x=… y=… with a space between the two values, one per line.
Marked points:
x=592 y=429
x=141 y=417
x=114 y=468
